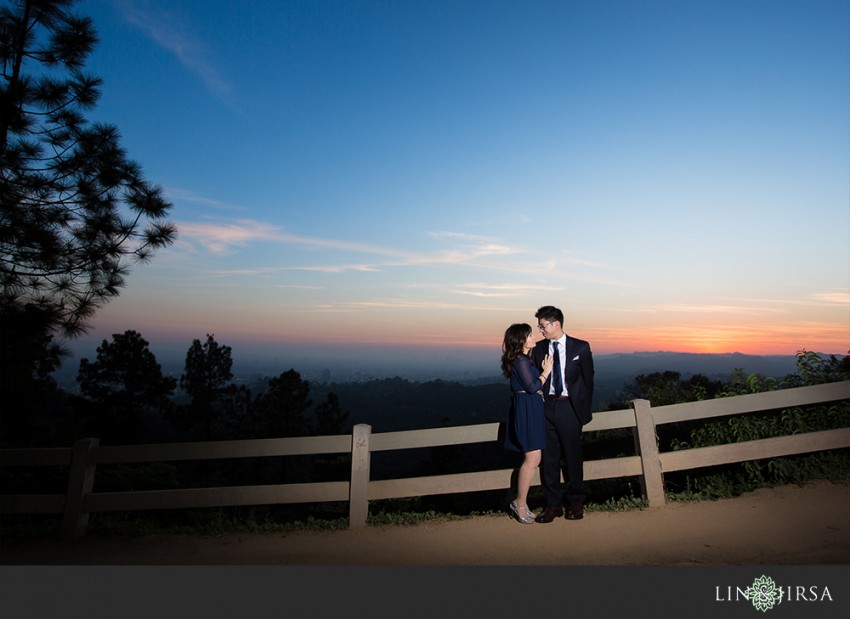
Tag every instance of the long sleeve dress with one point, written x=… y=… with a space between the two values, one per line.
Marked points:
x=526 y=427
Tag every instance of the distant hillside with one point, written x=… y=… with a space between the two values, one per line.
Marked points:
x=396 y=403
x=715 y=366
x=688 y=364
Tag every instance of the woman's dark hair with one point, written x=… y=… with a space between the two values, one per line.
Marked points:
x=512 y=345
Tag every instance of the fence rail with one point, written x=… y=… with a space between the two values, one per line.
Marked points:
x=649 y=463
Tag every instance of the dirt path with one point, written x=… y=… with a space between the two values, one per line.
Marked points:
x=789 y=525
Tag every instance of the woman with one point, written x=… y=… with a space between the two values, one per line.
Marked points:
x=526 y=431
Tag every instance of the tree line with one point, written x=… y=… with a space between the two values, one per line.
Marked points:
x=124 y=398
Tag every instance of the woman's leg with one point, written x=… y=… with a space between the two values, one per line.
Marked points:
x=526 y=472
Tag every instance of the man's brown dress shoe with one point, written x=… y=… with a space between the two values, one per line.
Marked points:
x=549 y=514
x=576 y=512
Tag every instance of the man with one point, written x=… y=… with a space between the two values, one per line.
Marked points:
x=568 y=394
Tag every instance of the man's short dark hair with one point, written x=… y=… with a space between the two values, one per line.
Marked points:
x=550 y=313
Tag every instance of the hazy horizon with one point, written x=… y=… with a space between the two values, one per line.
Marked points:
x=342 y=362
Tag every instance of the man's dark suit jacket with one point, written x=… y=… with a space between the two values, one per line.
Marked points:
x=578 y=374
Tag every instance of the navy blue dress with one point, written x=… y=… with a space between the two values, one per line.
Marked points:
x=526 y=429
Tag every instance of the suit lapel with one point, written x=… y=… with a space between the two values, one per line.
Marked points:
x=568 y=355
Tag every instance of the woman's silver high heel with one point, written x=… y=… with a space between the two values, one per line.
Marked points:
x=527 y=518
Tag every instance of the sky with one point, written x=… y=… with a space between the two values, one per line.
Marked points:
x=411 y=177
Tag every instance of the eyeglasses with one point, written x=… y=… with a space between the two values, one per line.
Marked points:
x=542 y=326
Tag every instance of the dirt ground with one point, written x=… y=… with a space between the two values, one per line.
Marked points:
x=788 y=525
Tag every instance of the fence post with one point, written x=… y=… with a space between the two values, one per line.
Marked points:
x=646 y=443
x=80 y=484
x=358 y=492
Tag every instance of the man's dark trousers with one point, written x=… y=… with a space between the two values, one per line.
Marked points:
x=562 y=422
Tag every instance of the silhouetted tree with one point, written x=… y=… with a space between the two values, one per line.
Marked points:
x=31 y=401
x=207 y=381
x=330 y=420
x=237 y=402
x=281 y=410
x=664 y=388
x=814 y=369
x=844 y=367
x=700 y=387
x=75 y=208
x=126 y=387
x=329 y=416
x=660 y=388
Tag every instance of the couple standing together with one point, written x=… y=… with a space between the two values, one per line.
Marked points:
x=551 y=391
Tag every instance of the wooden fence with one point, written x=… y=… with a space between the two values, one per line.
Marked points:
x=648 y=463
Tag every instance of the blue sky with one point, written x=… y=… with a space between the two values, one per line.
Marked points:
x=675 y=175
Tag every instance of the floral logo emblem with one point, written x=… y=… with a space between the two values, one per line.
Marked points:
x=764 y=594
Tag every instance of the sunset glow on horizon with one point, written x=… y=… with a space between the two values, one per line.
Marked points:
x=482 y=330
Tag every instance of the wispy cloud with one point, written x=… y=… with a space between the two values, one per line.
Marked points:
x=169 y=31
x=502 y=291
x=837 y=296
x=398 y=304
x=295 y=287
x=463 y=236
x=472 y=246
x=750 y=310
x=523 y=288
x=176 y=194
x=336 y=268
x=223 y=238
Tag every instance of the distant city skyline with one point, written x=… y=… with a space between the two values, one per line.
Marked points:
x=674 y=175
